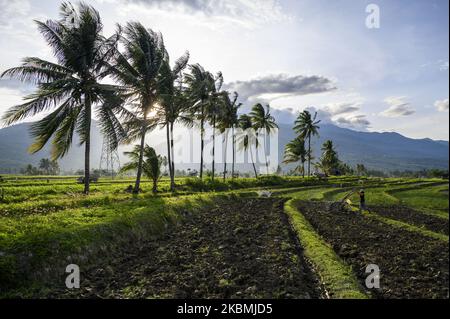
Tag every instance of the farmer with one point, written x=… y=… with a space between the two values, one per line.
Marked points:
x=362 y=200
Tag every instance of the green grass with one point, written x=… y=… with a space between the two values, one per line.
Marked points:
x=34 y=243
x=432 y=199
x=43 y=224
x=337 y=277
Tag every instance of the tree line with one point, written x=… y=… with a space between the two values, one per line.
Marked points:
x=147 y=92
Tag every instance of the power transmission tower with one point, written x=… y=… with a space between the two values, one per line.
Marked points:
x=109 y=160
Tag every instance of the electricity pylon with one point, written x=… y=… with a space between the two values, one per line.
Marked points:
x=109 y=160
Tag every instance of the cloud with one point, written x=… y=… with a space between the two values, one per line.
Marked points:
x=356 y=122
x=246 y=12
x=13 y=9
x=397 y=107
x=441 y=105
x=342 y=108
x=16 y=85
x=444 y=65
x=352 y=121
x=274 y=86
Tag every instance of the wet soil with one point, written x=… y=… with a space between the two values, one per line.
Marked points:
x=239 y=249
x=413 y=217
x=411 y=265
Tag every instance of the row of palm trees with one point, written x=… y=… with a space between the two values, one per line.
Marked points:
x=147 y=92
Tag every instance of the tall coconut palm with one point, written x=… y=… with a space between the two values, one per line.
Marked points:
x=306 y=126
x=228 y=119
x=296 y=152
x=247 y=137
x=137 y=69
x=200 y=84
x=263 y=120
x=70 y=87
x=173 y=103
x=214 y=111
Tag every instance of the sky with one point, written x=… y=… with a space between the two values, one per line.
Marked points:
x=334 y=57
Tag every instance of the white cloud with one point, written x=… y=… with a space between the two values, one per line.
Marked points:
x=443 y=66
x=13 y=9
x=441 y=105
x=356 y=122
x=342 y=108
x=275 y=86
x=398 y=106
x=212 y=13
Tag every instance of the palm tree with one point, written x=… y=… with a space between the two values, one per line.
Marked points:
x=247 y=137
x=70 y=87
x=151 y=166
x=137 y=70
x=262 y=120
x=361 y=169
x=214 y=112
x=329 y=157
x=228 y=119
x=295 y=152
x=45 y=165
x=200 y=84
x=173 y=102
x=306 y=126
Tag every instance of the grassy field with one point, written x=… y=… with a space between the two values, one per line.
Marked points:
x=47 y=223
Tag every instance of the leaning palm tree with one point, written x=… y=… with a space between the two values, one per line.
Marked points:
x=306 y=126
x=295 y=152
x=173 y=104
x=228 y=119
x=137 y=70
x=247 y=137
x=151 y=166
x=262 y=120
x=70 y=87
x=200 y=84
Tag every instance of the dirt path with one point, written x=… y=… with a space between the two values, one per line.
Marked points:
x=411 y=265
x=239 y=249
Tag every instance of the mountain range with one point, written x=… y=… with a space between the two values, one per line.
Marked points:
x=385 y=151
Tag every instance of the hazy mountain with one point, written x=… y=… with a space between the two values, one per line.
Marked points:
x=382 y=151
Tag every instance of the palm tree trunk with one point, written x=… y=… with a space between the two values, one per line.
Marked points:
x=141 y=160
x=265 y=154
x=202 y=141
x=225 y=155
x=309 y=155
x=168 y=154
x=253 y=163
x=234 y=151
x=214 y=148
x=87 y=152
x=303 y=169
x=172 y=164
x=155 y=186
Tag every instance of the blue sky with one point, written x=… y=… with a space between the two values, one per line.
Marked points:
x=291 y=54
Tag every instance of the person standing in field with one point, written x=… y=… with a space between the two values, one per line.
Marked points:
x=362 y=200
